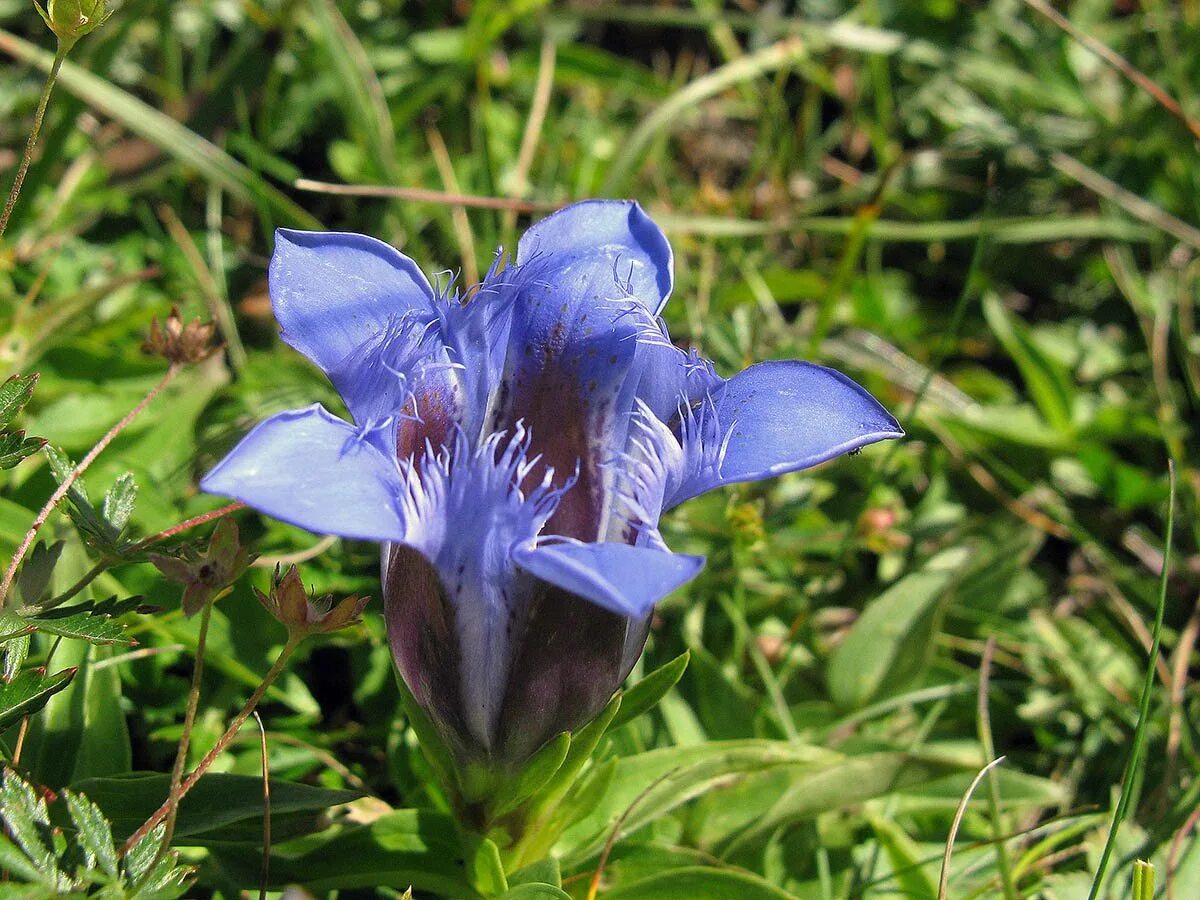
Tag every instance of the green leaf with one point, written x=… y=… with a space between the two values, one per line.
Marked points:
x=29 y=692
x=905 y=855
x=484 y=868
x=89 y=522
x=93 y=833
x=36 y=571
x=662 y=780
x=14 y=394
x=699 y=883
x=16 y=863
x=1048 y=383
x=747 y=811
x=534 y=891
x=646 y=693
x=83 y=731
x=15 y=647
x=14 y=447
x=27 y=821
x=119 y=502
x=221 y=807
x=890 y=642
x=94 y=629
x=533 y=776
x=420 y=847
x=141 y=856
x=546 y=871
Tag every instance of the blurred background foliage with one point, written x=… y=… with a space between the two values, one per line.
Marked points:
x=960 y=204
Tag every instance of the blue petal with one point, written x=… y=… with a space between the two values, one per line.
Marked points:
x=333 y=291
x=465 y=510
x=775 y=417
x=311 y=469
x=624 y=579
x=600 y=239
x=584 y=297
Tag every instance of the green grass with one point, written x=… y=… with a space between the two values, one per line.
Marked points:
x=990 y=227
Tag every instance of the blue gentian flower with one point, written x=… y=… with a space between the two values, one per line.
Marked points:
x=512 y=449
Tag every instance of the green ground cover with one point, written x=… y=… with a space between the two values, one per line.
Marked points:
x=982 y=212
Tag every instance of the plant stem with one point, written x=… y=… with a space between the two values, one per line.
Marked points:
x=1143 y=720
x=105 y=564
x=27 y=156
x=189 y=719
x=222 y=742
x=11 y=572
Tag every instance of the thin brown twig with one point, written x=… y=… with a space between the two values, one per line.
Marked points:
x=944 y=878
x=1176 y=848
x=44 y=514
x=458 y=213
x=984 y=717
x=218 y=748
x=988 y=482
x=1181 y=657
x=103 y=565
x=424 y=195
x=289 y=559
x=1118 y=62
x=537 y=116
x=323 y=756
x=189 y=719
x=1136 y=206
x=614 y=835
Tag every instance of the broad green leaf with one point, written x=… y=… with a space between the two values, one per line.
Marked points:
x=750 y=810
x=29 y=692
x=408 y=846
x=221 y=807
x=1048 y=384
x=664 y=779
x=14 y=394
x=189 y=148
x=646 y=693
x=890 y=643
x=700 y=883
x=83 y=731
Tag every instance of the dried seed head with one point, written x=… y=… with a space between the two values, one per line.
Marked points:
x=291 y=605
x=204 y=575
x=178 y=342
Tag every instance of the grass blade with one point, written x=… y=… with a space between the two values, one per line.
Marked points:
x=1143 y=721
x=185 y=145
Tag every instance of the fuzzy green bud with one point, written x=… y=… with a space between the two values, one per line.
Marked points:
x=72 y=19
